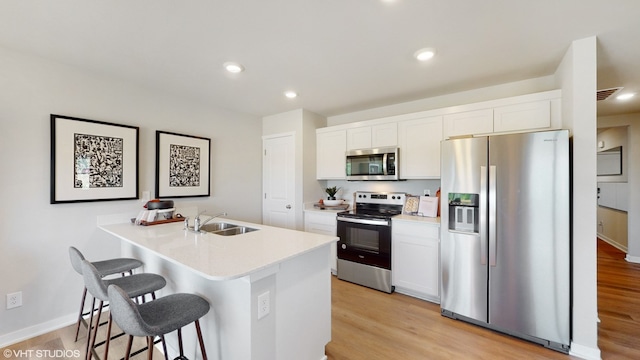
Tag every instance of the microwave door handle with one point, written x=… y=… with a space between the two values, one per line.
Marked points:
x=384 y=164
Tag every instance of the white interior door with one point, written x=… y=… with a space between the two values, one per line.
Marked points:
x=279 y=205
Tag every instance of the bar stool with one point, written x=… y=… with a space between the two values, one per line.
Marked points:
x=105 y=268
x=157 y=317
x=133 y=286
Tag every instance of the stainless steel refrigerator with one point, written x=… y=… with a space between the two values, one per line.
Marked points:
x=505 y=234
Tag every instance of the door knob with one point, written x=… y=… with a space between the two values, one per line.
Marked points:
x=288 y=206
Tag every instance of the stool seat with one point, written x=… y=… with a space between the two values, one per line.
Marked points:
x=164 y=314
x=134 y=285
x=116 y=266
x=157 y=317
x=104 y=267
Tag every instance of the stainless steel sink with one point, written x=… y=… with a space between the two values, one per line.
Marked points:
x=226 y=229
x=211 y=227
x=234 y=231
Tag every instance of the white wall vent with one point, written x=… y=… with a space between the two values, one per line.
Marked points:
x=606 y=93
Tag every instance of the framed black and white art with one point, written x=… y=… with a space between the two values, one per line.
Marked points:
x=182 y=165
x=92 y=160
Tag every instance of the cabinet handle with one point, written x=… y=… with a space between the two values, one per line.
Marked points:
x=288 y=206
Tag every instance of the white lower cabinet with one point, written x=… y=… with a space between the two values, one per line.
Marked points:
x=323 y=223
x=415 y=260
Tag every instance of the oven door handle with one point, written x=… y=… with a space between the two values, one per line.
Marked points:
x=364 y=221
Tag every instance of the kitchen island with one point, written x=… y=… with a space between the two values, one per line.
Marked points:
x=270 y=289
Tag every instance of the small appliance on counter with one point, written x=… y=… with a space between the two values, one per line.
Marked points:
x=157 y=212
x=364 y=248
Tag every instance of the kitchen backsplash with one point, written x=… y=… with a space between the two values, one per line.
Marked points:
x=413 y=187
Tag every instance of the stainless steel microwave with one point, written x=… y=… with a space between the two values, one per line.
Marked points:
x=372 y=164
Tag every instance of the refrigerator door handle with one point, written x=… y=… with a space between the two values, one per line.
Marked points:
x=492 y=216
x=483 y=215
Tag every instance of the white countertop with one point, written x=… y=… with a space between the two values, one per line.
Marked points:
x=308 y=207
x=217 y=257
x=420 y=219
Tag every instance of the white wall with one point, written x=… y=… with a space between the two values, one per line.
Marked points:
x=576 y=76
x=35 y=235
x=304 y=124
x=633 y=177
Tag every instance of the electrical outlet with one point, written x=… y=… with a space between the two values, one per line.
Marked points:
x=263 y=305
x=14 y=300
x=427 y=192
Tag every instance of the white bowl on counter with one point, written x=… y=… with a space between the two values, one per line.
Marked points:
x=332 y=202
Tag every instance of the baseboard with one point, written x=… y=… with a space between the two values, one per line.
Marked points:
x=584 y=352
x=612 y=243
x=36 y=330
x=633 y=259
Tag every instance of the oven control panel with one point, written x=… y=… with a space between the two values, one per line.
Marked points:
x=380 y=198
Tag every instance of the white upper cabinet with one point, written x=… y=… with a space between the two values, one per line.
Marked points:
x=366 y=137
x=524 y=113
x=359 y=138
x=384 y=135
x=419 y=143
x=330 y=154
x=418 y=135
x=527 y=116
x=469 y=122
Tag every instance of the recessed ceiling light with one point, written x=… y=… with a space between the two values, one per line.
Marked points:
x=233 y=67
x=626 y=96
x=425 y=54
x=291 y=94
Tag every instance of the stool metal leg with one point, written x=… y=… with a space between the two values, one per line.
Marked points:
x=149 y=347
x=89 y=326
x=180 y=344
x=127 y=353
x=106 y=344
x=204 y=352
x=95 y=332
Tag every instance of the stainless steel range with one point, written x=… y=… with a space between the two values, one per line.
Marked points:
x=364 y=249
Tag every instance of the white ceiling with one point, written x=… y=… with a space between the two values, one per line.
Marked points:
x=339 y=55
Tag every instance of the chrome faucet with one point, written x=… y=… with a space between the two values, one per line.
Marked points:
x=197 y=223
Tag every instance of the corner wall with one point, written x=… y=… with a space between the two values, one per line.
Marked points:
x=35 y=235
x=576 y=76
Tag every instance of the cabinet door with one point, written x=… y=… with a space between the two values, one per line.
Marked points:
x=359 y=138
x=416 y=260
x=419 y=143
x=527 y=116
x=468 y=123
x=326 y=224
x=330 y=154
x=384 y=135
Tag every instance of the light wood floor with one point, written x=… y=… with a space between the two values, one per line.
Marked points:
x=368 y=324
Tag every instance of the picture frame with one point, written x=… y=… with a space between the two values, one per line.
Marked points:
x=92 y=160
x=411 y=205
x=183 y=164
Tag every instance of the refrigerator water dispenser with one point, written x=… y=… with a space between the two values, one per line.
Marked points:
x=463 y=212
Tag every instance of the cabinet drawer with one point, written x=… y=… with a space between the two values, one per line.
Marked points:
x=416 y=230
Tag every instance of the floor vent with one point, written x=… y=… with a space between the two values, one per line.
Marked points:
x=606 y=93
